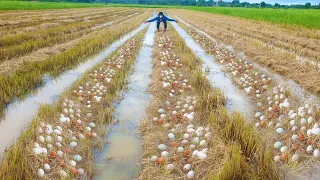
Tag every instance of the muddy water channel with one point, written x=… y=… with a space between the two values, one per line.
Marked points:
x=122 y=144
x=236 y=101
x=20 y=114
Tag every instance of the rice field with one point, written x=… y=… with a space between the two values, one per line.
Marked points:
x=96 y=93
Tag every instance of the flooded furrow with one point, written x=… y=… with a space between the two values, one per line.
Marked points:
x=19 y=114
x=122 y=145
x=236 y=101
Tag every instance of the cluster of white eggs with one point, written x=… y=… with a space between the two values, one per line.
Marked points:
x=58 y=142
x=165 y=42
x=185 y=142
x=295 y=129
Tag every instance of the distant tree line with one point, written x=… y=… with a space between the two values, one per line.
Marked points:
x=234 y=3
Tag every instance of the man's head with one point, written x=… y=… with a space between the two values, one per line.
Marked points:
x=160 y=14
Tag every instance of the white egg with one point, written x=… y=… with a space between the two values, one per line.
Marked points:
x=270 y=124
x=63 y=174
x=316 y=153
x=190 y=175
x=72 y=163
x=203 y=143
x=315 y=131
x=276 y=158
x=279 y=130
x=292 y=122
x=171 y=136
x=295 y=158
x=283 y=149
x=192 y=146
x=40 y=130
x=50 y=146
x=40 y=172
x=277 y=145
x=56 y=131
x=73 y=144
x=44 y=151
x=46 y=167
x=186 y=136
x=180 y=149
x=164 y=154
x=92 y=125
x=190 y=117
x=187 y=167
x=191 y=130
x=202 y=155
x=294 y=115
x=60 y=153
x=94 y=134
x=190 y=126
x=258 y=114
x=195 y=153
x=80 y=171
x=154 y=158
x=162 y=147
x=294 y=137
x=41 y=139
x=77 y=158
x=59 y=138
x=309 y=149
x=37 y=150
x=310 y=120
x=184 y=141
x=196 y=140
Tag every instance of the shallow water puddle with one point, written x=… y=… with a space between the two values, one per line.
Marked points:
x=19 y=114
x=301 y=95
x=122 y=145
x=236 y=101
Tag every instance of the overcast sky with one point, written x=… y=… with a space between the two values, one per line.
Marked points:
x=283 y=1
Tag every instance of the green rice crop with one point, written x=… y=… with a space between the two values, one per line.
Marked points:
x=297 y=17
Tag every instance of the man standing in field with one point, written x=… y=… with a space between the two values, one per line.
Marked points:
x=161 y=18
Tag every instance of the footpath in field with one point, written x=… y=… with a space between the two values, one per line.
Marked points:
x=289 y=122
x=59 y=141
x=187 y=133
x=122 y=144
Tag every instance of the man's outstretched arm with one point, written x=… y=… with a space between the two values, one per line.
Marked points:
x=151 y=20
x=170 y=19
